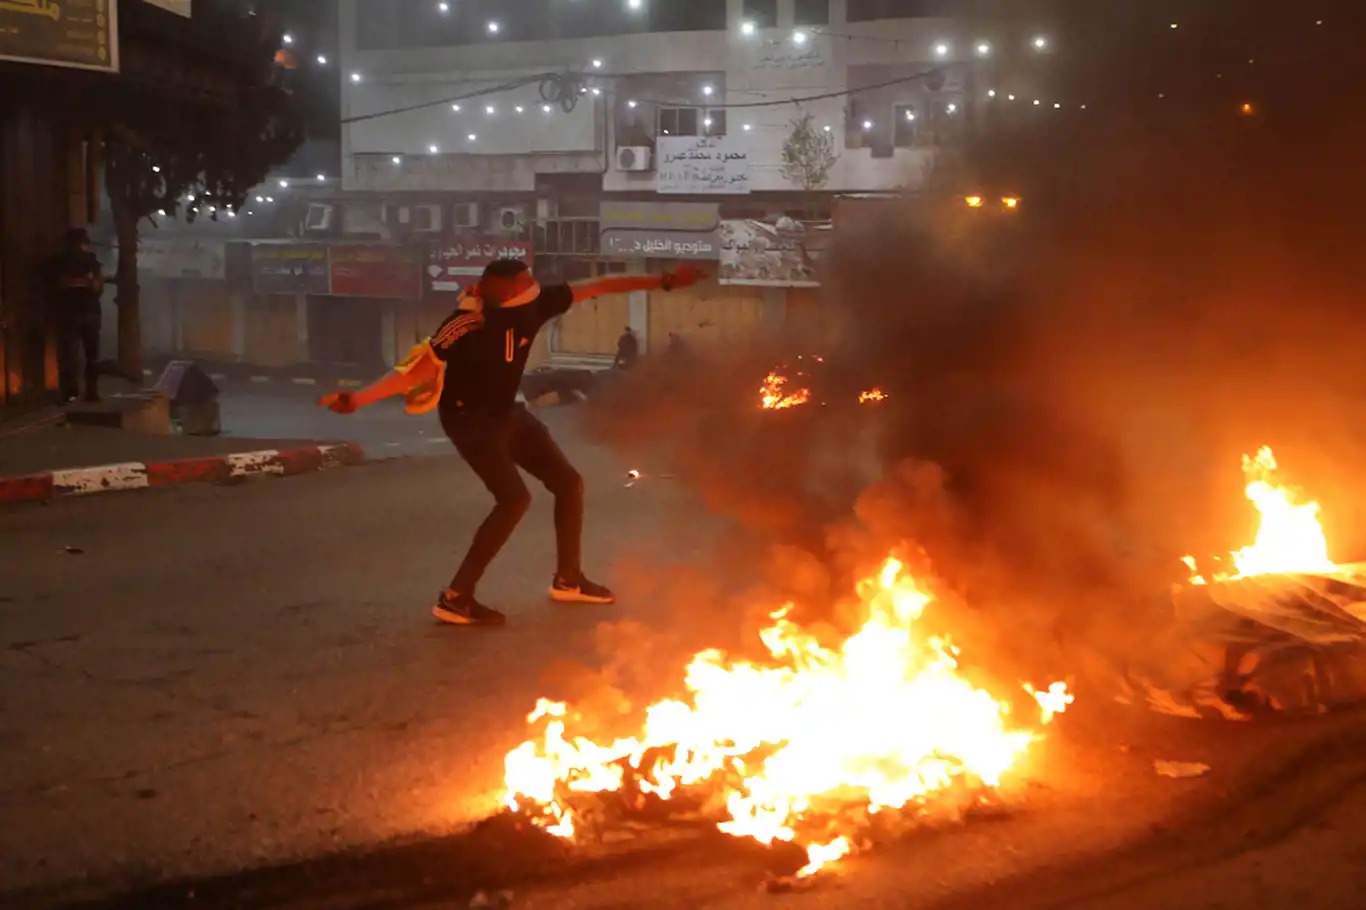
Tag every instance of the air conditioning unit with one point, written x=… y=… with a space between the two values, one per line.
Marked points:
x=426 y=219
x=511 y=218
x=633 y=158
x=465 y=215
x=319 y=217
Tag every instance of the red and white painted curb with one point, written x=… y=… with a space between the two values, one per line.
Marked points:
x=213 y=469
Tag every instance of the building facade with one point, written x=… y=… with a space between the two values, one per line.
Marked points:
x=588 y=139
x=631 y=135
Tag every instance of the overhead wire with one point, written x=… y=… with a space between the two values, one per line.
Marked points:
x=565 y=88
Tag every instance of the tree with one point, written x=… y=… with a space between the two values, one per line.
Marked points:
x=203 y=162
x=808 y=154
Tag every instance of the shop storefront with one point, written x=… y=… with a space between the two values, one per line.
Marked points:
x=650 y=237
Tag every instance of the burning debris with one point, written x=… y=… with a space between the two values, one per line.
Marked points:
x=1289 y=537
x=817 y=748
x=1282 y=628
x=773 y=394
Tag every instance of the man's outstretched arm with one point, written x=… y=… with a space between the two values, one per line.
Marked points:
x=398 y=381
x=684 y=276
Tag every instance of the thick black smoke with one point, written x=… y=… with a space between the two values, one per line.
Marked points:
x=1070 y=385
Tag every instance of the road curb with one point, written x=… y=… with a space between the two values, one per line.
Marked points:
x=138 y=475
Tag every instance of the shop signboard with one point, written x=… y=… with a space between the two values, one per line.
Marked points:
x=376 y=271
x=75 y=33
x=778 y=254
x=289 y=268
x=457 y=261
x=702 y=164
x=661 y=230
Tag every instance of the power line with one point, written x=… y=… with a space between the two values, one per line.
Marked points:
x=564 y=89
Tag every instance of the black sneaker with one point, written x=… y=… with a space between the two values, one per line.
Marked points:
x=464 y=610
x=580 y=591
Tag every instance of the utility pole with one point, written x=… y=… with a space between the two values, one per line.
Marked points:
x=971 y=83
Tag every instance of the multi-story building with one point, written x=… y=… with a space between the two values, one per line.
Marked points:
x=623 y=135
x=589 y=137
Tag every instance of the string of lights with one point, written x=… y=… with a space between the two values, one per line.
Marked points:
x=563 y=89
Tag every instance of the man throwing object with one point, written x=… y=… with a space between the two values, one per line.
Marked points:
x=471 y=370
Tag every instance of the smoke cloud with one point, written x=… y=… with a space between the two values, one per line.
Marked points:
x=1070 y=385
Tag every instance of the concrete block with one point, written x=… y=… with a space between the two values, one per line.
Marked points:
x=143 y=412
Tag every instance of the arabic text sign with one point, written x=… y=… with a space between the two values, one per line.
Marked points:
x=375 y=271
x=181 y=259
x=289 y=269
x=775 y=49
x=659 y=216
x=451 y=263
x=702 y=164
x=661 y=244
x=666 y=230
x=77 y=33
x=757 y=253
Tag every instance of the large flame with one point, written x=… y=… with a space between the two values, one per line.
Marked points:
x=1289 y=536
x=881 y=722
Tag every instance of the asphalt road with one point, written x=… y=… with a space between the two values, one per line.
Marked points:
x=198 y=681
x=222 y=676
x=291 y=412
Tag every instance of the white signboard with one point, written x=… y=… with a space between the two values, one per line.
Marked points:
x=702 y=164
x=784 y=50
x=178 y=258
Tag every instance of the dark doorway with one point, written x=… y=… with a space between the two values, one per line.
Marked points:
x=346 y=330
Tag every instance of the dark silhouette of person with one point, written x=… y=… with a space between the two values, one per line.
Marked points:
x=628 y=350
x=79 y=282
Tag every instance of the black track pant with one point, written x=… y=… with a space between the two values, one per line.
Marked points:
x=495 y=447
x=78 y=345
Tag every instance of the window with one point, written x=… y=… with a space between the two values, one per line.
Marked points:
x=811 y=12
x=867 y=10
x=763 y=13
x=679 y=121
x=714 y=123
x=692 y=16
x=948 y=117
x=633 y=125
x=861 y=127
x=905 y=125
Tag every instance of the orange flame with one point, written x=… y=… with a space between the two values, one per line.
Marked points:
x=872 y=395
x=773 y=394
x=882 y=721
x=1289 y=536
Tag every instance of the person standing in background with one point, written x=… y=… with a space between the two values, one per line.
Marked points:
x=79 y=282
x=628 y=350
